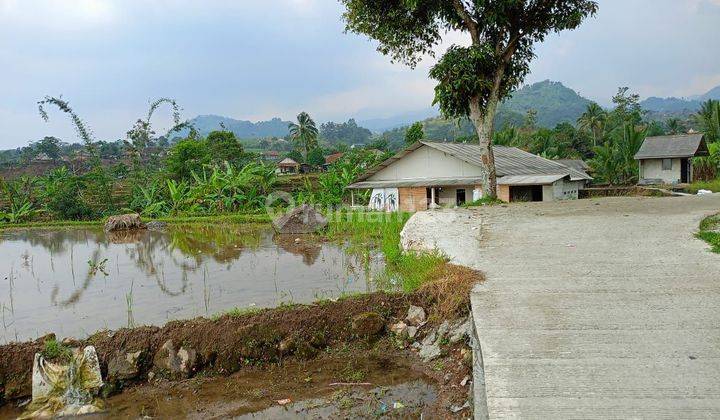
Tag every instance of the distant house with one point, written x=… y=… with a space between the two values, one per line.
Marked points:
x=288 y=166
x=271 y=156
x=429 y=174
x=42 y=157
x=330 y=159
x=668 y=159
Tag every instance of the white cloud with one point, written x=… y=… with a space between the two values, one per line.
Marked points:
x=77 y=14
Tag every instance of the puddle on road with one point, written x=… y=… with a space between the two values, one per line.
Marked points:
x=75 y=281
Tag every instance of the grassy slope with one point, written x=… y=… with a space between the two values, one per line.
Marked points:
x=710 y=232
x=713 y=186
x=232 y=218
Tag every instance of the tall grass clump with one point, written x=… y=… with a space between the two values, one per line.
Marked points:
x=367 y=231
x=713 y=185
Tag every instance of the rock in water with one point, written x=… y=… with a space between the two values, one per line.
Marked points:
x=156 y=225
x=124 y=222
x=303 y=219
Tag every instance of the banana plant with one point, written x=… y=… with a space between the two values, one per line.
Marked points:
x=179 y=194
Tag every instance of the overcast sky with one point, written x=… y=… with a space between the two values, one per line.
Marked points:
x=253 y=59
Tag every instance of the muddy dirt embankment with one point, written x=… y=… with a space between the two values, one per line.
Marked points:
x=183 y=349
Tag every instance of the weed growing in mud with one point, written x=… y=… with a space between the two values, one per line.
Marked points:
x=352 y=374
x=237 y=312
x=485 y=201
x=710 y=232
x=55 y=350
x=96 y=266
x=365 y=231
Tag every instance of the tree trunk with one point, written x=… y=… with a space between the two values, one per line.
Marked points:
x=484 y=125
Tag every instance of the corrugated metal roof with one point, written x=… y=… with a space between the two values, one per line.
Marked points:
x=287 y=161
x=508 y=160
x=529 y=179
x=417 y=182
x=577 y=164
x=676 y=146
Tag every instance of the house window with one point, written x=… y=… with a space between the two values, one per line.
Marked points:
x=667 y=164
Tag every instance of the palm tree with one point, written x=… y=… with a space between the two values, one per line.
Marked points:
x=593 y=120
x=709 y=120
x=674 y=126
x=304 y=132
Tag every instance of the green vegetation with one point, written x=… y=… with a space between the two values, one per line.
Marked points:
x=713 y=185
x=485 y=201
x=55 y=350
x=414 y=134
x=344 y=133
x=710 y=232
x=237 y=312
x=367 y=231
x=304 y=133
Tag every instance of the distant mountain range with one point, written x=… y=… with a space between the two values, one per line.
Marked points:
x=553 y=102
x=679 y=106
x=204 y=124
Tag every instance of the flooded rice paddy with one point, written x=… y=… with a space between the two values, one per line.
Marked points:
x=75 y=281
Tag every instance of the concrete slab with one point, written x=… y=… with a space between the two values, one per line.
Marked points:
x=606 y=308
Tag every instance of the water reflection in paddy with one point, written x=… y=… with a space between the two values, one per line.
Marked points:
x=75 y=281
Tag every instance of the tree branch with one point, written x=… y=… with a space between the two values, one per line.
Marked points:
x=471 y=25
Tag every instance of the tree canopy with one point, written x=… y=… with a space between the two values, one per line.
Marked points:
x=471 y=79
x=414 y=134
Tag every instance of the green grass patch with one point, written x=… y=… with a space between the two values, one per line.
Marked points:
x=227 y=218
x=485 y=201
x=237 y=312
x=713 y=186
x=367 y=231
x=710 y=232
x=55 y=350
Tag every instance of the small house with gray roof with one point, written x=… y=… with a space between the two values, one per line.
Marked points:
x=669 y=159
x=428 y=174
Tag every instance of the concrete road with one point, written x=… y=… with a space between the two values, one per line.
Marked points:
x=606 y=308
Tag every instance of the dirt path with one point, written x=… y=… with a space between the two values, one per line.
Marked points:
x=605 y=308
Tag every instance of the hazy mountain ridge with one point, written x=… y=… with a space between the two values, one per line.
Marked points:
x=679 y=106
x=553 y=103
x=243 y=129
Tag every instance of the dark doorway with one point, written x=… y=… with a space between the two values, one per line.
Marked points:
x=526 y=193
x=460 y=197
x=684 y=171
x=428 y=193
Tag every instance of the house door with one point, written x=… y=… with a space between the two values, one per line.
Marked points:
x=460 y=197
x=684 y=171
x=526 y=193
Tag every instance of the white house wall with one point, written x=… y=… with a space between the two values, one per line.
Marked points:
x=652 y=169
x=427 y=162
x=448 y=195
x=566 y=190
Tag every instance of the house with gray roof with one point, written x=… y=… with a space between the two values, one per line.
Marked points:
x=669 y=159
x=429 y=174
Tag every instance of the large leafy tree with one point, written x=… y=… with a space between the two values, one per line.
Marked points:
x=304 y=132
x=414 y=133
x=472 y=80
x=224 y=146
